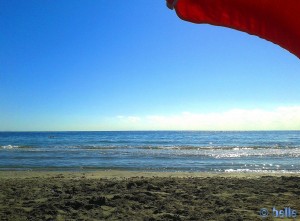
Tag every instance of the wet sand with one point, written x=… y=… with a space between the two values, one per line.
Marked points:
x=124 y=195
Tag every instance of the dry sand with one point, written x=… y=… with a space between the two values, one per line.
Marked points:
x=124 y=195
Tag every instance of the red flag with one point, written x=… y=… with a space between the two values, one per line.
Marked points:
x=277 y=21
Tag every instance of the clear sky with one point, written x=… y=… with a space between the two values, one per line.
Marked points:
x=134 y=65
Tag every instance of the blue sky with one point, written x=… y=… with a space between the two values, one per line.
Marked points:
x=134 y=65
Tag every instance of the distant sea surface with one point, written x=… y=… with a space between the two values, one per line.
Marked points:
x=262 y=151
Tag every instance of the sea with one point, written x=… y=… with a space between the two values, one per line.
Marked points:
x=166 y=151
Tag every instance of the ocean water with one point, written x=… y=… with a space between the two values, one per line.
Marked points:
x=259 y=151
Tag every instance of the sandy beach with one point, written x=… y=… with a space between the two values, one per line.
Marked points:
x=126 y=195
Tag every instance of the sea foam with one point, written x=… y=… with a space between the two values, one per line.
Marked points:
x=9 y=147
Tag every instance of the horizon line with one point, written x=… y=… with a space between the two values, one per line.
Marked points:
x=45 y=131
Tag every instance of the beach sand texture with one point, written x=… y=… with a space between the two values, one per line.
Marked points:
x=124 y=195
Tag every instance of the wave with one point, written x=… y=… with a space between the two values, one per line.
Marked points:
x=258 y=171
x=9 y=147
x=14 y=147
x=178 y=147
x=217 y=152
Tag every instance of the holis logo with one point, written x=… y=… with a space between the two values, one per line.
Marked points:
x=287 y=212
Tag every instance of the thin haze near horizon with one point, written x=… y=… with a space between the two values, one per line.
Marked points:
x=134 y=65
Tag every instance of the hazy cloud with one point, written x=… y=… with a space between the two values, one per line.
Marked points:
x=281 y=118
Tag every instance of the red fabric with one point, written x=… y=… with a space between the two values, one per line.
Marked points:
x=275 y=20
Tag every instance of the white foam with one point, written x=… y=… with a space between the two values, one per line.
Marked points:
x=259 y=171
x=9 y=147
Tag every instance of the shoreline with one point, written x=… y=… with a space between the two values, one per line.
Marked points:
x=108 y=174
